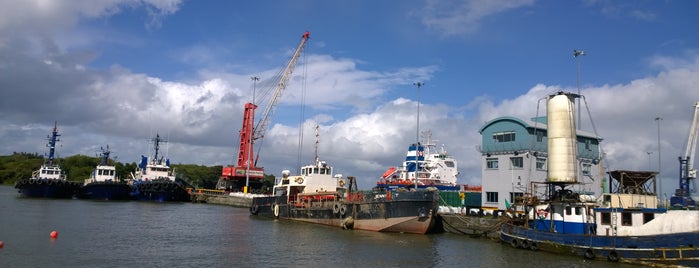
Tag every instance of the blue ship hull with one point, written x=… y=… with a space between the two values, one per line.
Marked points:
x=394 y=187
x=106 y=191
x=670 y=249
x=47 y=188
x=159 y=191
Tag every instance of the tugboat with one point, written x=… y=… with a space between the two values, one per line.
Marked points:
x=624 y=225
x=154 y=180
x=50 y=180
x=103 y=183
x=318 y=196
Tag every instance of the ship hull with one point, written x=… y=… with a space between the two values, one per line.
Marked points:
x=105 y=191
x=407 y=212
x=47 y=188
x=160 y=191
x=669 y=249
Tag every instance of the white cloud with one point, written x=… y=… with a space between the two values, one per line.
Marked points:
x=463 y=17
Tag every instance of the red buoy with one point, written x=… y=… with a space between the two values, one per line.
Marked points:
x=54 y=234
x=2 y=244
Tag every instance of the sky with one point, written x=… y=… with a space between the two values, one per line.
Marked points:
x=116 y=72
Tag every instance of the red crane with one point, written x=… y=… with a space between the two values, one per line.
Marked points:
x=247 y=172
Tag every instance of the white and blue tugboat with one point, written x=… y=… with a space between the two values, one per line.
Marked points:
x=155 y=180
x=50 y=180
x=624 y=225
x=103 y=183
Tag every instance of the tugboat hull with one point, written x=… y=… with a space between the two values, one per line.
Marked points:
x=47 y=188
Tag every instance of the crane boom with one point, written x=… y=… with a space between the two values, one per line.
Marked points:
x=262 y=125
x=692 y=139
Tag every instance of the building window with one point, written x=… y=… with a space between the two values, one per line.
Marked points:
x=491 y=197
x=516 y=197
x=586 y=167
x=648 y=217
x=516 y=162
x=606 y=218
x=626 y=219
x=504 y=137
x=491 y=163
x=540 y=163
x=539 y=136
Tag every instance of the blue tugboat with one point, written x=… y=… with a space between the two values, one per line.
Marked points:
x=50 y=180
x=103 y=183
x=154 y=180
x=624 y=225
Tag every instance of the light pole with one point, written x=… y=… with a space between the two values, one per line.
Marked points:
x=577 y=53
x=660 y=178
x=250 y=154
x=649 y=167
x=417 y=136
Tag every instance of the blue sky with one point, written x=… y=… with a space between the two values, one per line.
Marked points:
x=116 y=72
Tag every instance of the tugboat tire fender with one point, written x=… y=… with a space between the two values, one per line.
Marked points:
x=336 y=208
x=589 y=254
x=343 y=210
x=533 y=246
x=254 y=209
x=525 y=244
x=514 y=243
x=275 y=208
x=613 y=257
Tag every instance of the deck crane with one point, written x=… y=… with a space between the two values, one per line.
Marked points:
x=682 y=197
x=234 y=177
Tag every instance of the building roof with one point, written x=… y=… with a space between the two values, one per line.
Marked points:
x=531 y=124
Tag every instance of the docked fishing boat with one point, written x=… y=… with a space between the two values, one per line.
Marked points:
x=317 y=196
x=154 y=180
x=103 y=183
x=433 y=168
x=50 y=180
x=624 y=225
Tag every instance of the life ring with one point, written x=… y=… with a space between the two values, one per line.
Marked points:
x=343 y=210
x=342 y=183
x=533 y=246
x=276 y=210
x=336 y=208
x=299 y=180
x=254 y=209
x=514 y=243
x=542 y=214
x=589 y=254
x=613 y=257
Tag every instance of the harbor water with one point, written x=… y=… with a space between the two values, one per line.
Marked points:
x=147 y=234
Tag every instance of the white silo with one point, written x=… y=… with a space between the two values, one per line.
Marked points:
x=562 y=158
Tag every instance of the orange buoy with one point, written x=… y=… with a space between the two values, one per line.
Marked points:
x=54 y=234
